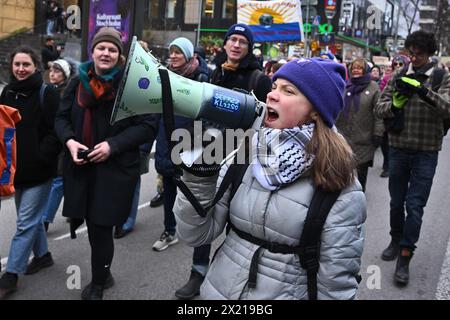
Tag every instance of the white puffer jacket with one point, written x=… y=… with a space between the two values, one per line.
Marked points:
x=277 y=217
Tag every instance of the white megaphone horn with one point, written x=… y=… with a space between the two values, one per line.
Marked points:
x=140 y=92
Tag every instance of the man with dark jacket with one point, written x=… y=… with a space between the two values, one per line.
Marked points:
x=49 y=52
x=418 y=106
x=237 y=67
x=237 y=64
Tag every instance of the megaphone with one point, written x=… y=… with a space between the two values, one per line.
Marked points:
x=140 y=92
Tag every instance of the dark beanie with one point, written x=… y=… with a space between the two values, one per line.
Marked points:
x=108 y=34
x=241 y=29
x=321 y=81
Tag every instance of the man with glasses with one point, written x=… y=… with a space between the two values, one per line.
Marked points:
x=237 y=68
x=418 y=99
x=237 y=64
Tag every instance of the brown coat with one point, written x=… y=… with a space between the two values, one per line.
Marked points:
x=360 y=127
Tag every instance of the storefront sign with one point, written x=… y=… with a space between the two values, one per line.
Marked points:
x=323 y=28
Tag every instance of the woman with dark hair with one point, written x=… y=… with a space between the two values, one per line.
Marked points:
x=101 y=162
x=375 y=74
x=357 y=122
x=37 y=153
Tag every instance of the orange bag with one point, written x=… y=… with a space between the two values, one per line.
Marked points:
x=8 y=119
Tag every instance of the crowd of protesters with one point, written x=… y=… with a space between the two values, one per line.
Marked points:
x=316 y=107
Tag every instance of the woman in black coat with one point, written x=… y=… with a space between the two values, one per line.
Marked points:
x=37 y=152
x=99 y=186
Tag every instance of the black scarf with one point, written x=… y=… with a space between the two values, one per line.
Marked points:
x=25 y=87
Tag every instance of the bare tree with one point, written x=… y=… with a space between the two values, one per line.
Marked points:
x=409 y=9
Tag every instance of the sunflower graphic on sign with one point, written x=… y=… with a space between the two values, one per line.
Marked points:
x=276 y=20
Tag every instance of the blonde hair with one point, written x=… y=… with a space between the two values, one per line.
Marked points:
x=360 y=62
x=334 y=165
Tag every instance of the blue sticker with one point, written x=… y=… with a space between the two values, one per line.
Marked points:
x=225 y=102
x=144 y=83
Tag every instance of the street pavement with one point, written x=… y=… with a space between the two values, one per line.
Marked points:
x=143 y=274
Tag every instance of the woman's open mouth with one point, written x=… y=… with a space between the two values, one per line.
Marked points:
x=271 y=115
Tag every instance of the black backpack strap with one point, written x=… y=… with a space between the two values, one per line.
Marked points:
x=309 y=244
x=255 y=76
x=438 y=76
x=42 y=94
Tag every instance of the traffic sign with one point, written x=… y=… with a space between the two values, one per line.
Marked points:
x=316 y=21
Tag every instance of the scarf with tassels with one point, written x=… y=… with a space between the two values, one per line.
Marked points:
x=279 y=156
x=188 y=69
x=352 y=93
x=93 y=90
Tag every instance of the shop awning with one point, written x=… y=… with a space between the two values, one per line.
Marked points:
x=358 y=42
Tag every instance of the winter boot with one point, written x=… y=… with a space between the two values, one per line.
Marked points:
x=401 y=274
x=191 y=288
x=391 y=252
x=95 y=291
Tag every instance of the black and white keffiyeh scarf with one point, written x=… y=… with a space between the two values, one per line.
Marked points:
x=279 y=155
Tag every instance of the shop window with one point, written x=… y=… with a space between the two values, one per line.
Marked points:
x=208 y=9
x=153 y=7
x=228 y=9
x=191 y=13
x=170 y=8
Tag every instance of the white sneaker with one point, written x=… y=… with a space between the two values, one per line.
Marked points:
x=165 y=241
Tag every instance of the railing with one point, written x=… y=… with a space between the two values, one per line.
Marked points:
x=23 y=31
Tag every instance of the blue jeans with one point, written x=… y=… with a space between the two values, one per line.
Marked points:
x=200 y=259
x=54 y=200
x=131 y=221
x=170 y=193
x=50 y=28
x=30 y=234
x=410 y=179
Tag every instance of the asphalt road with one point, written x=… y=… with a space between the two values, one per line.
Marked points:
x=142 y=274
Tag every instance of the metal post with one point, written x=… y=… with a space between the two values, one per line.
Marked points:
x=199 y=26
x=396 y=26
x=306 y=34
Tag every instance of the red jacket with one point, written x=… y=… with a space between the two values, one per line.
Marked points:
x=8 y=119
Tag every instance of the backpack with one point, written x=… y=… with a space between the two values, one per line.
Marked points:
x=308 y=249
x=8 y=119
x=254 y=79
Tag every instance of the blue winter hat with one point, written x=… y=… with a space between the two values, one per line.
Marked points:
x=185 y=46
x=321 y=81
x=242 y=29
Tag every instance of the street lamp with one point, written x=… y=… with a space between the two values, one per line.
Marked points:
x=199 y=26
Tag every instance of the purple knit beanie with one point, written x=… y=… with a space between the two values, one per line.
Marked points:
x=321 y=81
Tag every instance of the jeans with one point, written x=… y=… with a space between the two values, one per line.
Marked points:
x=50 y=27
x=200 y=261
x=30 y=234
x=410 y=179
x=131 y=221
x=170 y=193
x=54 y=200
